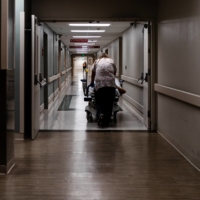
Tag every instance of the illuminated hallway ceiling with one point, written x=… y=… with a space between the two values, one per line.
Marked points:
x=111 y=33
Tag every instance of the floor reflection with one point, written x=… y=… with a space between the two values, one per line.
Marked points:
x=74 y=116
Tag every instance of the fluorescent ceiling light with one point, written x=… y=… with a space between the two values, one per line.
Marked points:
x=88 y=31
x=86 y=36
x=81 y=49
x=80 y=44
x=89 y=24
x=81 y=53
x=92 y=40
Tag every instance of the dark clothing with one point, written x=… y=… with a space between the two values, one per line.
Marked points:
x=84 y=67
x=104 y=102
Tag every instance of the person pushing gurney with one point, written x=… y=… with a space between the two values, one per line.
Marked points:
x=103 y=74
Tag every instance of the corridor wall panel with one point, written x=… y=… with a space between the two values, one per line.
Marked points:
x=132 y=60
x=41 y=65
x=49 y=32
x=134 y=92
x=89 y=9
x=19 y=7
x=55 y=60
x=178 y=68
x=63 y=64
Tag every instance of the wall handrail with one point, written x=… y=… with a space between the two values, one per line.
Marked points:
x=69 y=69
x=181 y=95
x=53 y=78
x=131 y=80
x=64 y=72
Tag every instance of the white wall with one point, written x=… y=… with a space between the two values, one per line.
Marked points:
x=132 y=61
x=179 y=68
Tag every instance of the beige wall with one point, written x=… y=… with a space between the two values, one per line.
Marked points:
x=179 y=68
x=132 y=62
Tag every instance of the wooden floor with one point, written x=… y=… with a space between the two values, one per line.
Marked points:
x=99 y=166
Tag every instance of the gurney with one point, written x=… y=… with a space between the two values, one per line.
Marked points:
x=89 y=96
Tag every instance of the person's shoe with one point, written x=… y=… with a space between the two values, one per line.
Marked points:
x=100 y=120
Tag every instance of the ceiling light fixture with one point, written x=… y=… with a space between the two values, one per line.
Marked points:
x=84 y=44
x=92 y=40
x=86 y=36
x=87 y=31
x=89 y=25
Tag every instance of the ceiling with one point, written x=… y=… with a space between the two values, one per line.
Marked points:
x=111 y=33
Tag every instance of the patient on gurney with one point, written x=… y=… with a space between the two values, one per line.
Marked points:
x=118 y=91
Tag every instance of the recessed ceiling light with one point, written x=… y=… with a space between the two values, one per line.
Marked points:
x=88 y=31
x=92 y=40
x=89 y=24
x=86 y=36
x=81 y=49
x=84 y=43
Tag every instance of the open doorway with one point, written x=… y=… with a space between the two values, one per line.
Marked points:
x=129 y=47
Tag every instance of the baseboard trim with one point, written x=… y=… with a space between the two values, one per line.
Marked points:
x=133 y=102
x=19 y=136
x=132 y=109
x=5 y=169
x=62 y=85
x=184 y=153
x=50 y=98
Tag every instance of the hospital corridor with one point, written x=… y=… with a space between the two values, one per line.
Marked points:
x=99 y=100
x=68 y=112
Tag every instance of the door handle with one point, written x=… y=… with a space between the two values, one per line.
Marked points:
x=146 y=77
x=42 y=83
x=121 y=82
x=141 y=79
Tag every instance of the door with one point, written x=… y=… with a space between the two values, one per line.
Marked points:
x=35 y=87
x=45 y=54
x=146 y=82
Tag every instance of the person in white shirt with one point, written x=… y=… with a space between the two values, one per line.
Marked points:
x=103 y=73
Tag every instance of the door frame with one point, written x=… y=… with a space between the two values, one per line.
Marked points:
x=153 y=63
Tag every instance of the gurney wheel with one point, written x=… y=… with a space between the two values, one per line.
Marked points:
x=89 y=117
